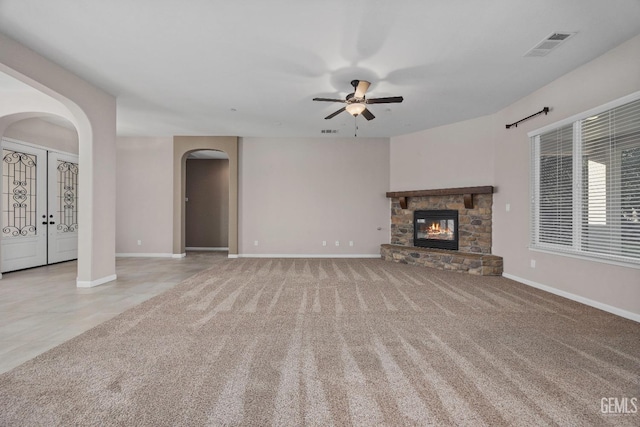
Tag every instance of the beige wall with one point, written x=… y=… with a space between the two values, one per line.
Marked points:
x=39 y=132
x=207 y=206
x=297 y=192
x=458 y=155
x=613 y=75
x=144 y=189
x=294 y=194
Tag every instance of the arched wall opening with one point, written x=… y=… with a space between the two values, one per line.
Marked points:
x=51 y=132
x=182 y=147
x=22 y=108
x=207 y=201
x=39 y=216
x=54 y=90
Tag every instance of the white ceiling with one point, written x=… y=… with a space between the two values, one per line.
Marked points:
x=251 y=67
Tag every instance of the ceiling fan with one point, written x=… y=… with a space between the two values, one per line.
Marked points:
x=356 y=101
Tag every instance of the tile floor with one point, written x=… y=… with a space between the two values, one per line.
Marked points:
x=41 y=308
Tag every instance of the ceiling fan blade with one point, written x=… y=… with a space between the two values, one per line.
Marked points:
x=367 y=114
x=387 y=100
x=332 y=115
x=329 y=99
x=361 y=89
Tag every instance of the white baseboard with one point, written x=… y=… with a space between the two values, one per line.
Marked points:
x=97 y=282
x=233 y=256
x=207 y=249
x=143 y=255
x=182 y=255
x=308 y=255
x=586 y=301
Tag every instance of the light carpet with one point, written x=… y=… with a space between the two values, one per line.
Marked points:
x=291 y=342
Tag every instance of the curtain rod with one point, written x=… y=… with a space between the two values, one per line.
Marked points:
x=545 y=110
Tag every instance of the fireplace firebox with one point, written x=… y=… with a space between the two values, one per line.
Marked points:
x=436 y=229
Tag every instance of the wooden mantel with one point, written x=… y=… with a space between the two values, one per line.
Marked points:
x=467 y=193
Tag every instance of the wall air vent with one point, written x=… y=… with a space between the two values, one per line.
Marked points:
x=549 y=43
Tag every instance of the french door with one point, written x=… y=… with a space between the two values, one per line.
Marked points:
x=39 y=207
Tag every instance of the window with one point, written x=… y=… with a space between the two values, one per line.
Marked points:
x=585 y=184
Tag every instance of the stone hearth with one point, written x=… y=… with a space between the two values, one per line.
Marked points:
x=474 y=206
x=442 y=259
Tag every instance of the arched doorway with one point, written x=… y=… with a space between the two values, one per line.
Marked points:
x=182 y=147
x=39 y=203
x=34 y=144
x=51 y=90
x=207 y=201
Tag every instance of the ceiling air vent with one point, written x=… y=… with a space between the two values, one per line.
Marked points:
x=549 y=43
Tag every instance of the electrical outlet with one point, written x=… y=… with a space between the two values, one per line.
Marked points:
x=533 y=263
x=324 y=243
x=139 y=242
x=255 y=243
x=508 y=207
x=337 y=242
x=350 y=242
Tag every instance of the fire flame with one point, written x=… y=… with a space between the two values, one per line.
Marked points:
x=435 y=228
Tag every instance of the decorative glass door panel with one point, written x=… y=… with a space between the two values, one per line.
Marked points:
x=67 y=196
x=19 y=189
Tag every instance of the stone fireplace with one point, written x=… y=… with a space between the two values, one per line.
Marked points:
x=473 y=230
x=474 y=223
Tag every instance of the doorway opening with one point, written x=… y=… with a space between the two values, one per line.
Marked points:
x=207 y=201
x=39 y=206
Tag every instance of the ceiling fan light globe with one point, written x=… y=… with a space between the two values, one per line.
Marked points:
x=355 y=109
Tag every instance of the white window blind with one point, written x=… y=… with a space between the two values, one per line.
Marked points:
x=585 y=186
